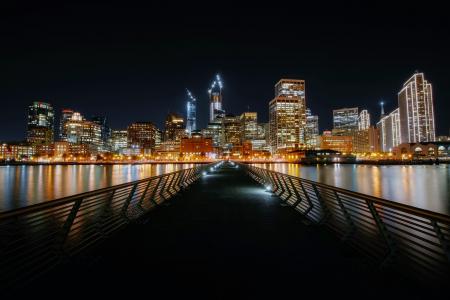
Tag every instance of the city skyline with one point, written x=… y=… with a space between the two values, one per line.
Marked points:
x=129 y=65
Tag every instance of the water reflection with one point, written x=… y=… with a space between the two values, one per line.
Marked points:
x=426 y=186
x=25 y=185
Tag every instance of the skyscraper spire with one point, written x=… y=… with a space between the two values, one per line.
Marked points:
x=191 y=113
x=382 y=108
x=215 y=98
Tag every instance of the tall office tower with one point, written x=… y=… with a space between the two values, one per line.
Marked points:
x=142 y=135
x=174 y=127
x=345 y=120
x=82 y=132
x=249 y=126
x=105 y=132
x=389 y=128
x=312 y=130
x=119 y=140
x=287 y=115
x=66 y=115
x=231 y=131
x=215 y=99
x=213 y=131
x=191 y=114
x=363 y=120
x=40 y=123
x=415 y=102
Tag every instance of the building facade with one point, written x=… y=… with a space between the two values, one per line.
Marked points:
x=249 y=126
x=66 y=115
x=40 y=129
x=287 y=115
x=191 y=114
x=389 y=129
x=215 y=99
x=415 y=102
x=311 y=130
x=174 y=128
x=119 y=140
x=363 y=120
x=345 y=120
x=142 y=135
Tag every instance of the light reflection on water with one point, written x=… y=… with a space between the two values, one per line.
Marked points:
x=26 y=185
x=424 y=186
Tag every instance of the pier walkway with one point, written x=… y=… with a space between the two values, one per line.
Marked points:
x=224 y=237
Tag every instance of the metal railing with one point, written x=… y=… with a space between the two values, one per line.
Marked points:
x=397 y=236
x=36 y=238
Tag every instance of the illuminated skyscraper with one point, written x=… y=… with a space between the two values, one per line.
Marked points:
x=364 y=120
x=231 y=131
x=142 y=135
x=105 y=131
x=119 y=140
x=215 y=99
x=345 y=120
x=40 y=123
x=249 y=126
x=66 y=115
x=191 y=114
x=389 y=128
x=287 y=115
x=415 y=102
x=174 y=128
x=312 y=130
x=79 y=131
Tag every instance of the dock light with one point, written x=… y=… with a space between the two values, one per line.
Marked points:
x=204 y=173
x=211 y=169
x=268 y=187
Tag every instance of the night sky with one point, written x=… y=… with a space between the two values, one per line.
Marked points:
x=133 y=62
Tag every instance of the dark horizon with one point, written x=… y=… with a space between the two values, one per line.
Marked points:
x=134 y=63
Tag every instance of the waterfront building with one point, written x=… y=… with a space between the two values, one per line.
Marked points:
x=119 y=140
x=389 y=128
x=105 y=133
x=363 y=120
x=213 y=131
x=196 y=147
x=311 y=130
x=16 y=151
x=40 y=123
x=338 y=143
x=174 y=127
x=374 y=139
x=424 y=150
x=66 y=115
x=360 y=141
x=249 y=126
x=78 y=130
x=215 y=99
x=345 y=120
x=142 y=135
x=415 y=102
x=287 y=115
x=191 y=114
x=231 y=131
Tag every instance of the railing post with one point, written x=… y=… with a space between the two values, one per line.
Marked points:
x=65 y=229
x=444 y=243
x=384 y=233
x=350 y=223
x=297 y=194
x=144 y=193
x=152 y=196
x=308 y=199
x=326 y=210
x=287 y=188
x=128 y=200
x=170 y=185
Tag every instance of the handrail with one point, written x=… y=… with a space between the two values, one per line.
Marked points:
x=42 y=206
x=394 y=235
x=36 y=238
